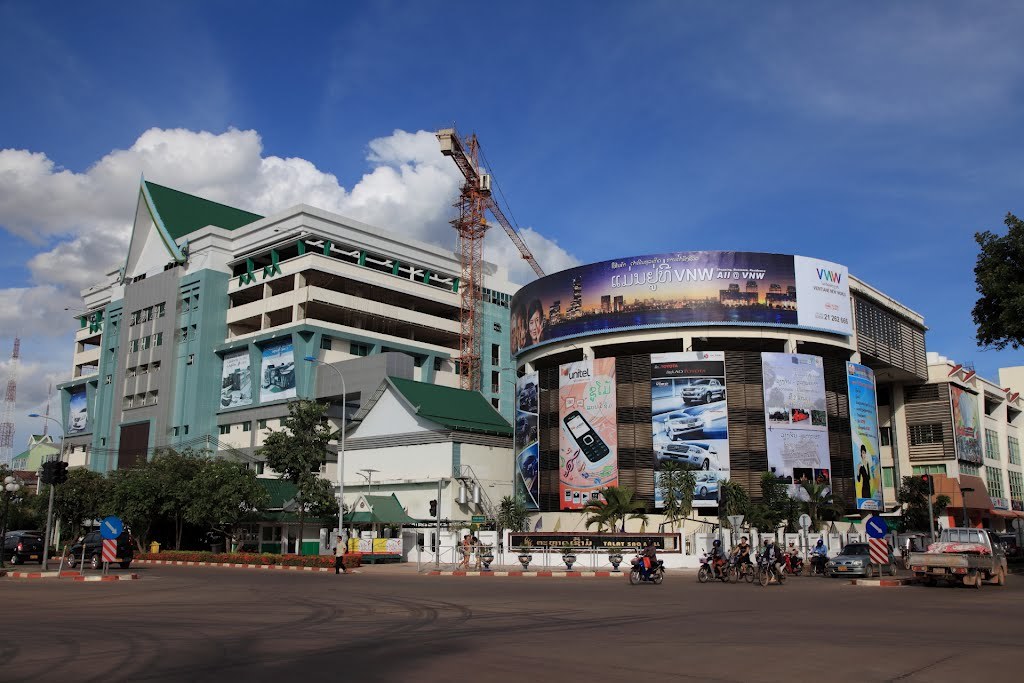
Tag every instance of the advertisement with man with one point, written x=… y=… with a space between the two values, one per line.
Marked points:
x=527 y=444
x=236 y=380
x=278 y=371
x=78 y=413
x=796 y=422
x=682 y=288
x=966 y=434
x=588 y=432
x=689 y=419
x=867 y=464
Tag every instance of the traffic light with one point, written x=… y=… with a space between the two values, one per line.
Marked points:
x=60 y=472
x=46 y=476
x=433 y=508
x=929 y=483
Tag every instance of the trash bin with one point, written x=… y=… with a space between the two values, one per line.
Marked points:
x=154 y=547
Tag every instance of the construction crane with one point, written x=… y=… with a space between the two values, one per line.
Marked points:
x=474 y=201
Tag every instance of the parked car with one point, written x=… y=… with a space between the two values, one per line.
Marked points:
x=703 y=391
x=23 y=546
x=681 y=422
x=855 y=560
x=94 y=550
x=701 y=455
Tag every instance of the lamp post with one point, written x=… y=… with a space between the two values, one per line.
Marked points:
x=11 y=486
x=49 y=509
x=368 y=477
x=964 y=490
x=341 y=442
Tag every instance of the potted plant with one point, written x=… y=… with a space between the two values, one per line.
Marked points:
x=486 y=557
x=568 y=556
x=615 y=557
x=524 y=556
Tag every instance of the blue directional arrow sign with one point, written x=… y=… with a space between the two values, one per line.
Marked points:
x=111 y=527
x=877 y=528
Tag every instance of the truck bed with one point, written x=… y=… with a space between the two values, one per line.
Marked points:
x=952 y=560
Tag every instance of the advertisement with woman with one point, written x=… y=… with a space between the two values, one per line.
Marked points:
x=867 y=465
x=527 y=445
x=966 y=434
x=588 y=431
x=796 y=420
x=690 y=420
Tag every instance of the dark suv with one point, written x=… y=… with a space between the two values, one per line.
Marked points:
x=94 y=550
x=23 y=546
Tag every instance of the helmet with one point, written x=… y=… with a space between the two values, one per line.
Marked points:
x=767 y=541
x=717 y=543
x=820 y=542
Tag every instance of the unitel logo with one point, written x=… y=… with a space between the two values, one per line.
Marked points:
x=576 y=374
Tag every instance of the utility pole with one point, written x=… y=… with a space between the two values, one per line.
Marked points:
x=437 y=544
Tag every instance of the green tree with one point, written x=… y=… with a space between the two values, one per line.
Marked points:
x=512 y=514
x=135 y=495
x=820 y=505
x=298 y=449
x=223 y=494
x=676 y=484
x=913 y=493
x=616 y=507
x=174 y=472
x=999 y=275
x=80 y=499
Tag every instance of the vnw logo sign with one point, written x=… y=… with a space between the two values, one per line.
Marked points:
x=832 y=276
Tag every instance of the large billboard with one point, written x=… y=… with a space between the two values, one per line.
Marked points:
x=527 y=443
x=78 y=413
x=867 y=463
x=966 y=434
x=588 y=432
x=236 y=380
x=689 y=419
x=796 y=420
x=679 y=289
x=278 y=371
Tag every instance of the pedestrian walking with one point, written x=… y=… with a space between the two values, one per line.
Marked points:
x=477 y=552
x=467 y=549
x=340 y=550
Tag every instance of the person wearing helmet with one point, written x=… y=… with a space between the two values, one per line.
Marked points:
x=718 y=559
x=819 y=556
x=773 y=556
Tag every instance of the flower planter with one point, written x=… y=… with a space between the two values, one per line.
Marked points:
x=569 y=559
x=616 y=560
x=487 y=558
x=525 y=559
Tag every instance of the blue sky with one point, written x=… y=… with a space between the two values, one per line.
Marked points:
x=878 y=135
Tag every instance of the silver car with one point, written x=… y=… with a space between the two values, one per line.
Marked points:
x=855 y=560
x=702 y=456
x=679 y=423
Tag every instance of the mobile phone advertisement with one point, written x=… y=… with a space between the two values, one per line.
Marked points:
x=588 y=432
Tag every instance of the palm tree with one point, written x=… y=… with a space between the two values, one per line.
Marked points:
x=676 y=484
x=616 y=507
x=819 y=503
x=512 y=514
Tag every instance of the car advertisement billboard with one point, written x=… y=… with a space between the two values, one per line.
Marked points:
x=689 y=419
x=78 y=413
x=867 y=463
x=679 y=289
x=527 y=444
x=278 y=371
x=796 y=421
x=236 y=380
x=588 y=431
x=966 y=434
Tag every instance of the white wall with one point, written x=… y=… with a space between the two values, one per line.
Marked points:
x=389 y=417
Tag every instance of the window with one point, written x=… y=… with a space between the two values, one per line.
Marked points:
x=495 y=354
x=153 y=396
x=261 y=424
x=185 y=305
x=134 y=319
x=154 y=366
x=887 y=476
x=357 y=349
x=186 y=429
x=970 y=469
x=495 y=382
x=158 y=339
x=223 y=429
x=144 y=343
x=133 y=346
x=992 y=446
x=1016 y=485
x=103 y=441
x=145 y=314
x=142 y=370
x=159 y=310
x=191 y=359
x=885 y=436
x=994 y=481
x=437 y=364
x=926 y=433
x=496 y=402
x=107 y=379
x=176 y=430
x=247 y=426
x=1014 y=448
x=325 y=342
x=929 y=469
x=183 y=334
x=130 y=372
x=127 y=402
x=195 y=301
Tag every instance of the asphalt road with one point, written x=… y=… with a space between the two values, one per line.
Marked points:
x=235 y=625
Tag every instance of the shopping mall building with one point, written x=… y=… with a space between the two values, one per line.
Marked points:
x=737 y=364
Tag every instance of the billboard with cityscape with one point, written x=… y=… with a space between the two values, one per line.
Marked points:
x=679 y=289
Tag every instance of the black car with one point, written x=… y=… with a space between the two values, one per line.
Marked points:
x=94 y=550
x=23 y=546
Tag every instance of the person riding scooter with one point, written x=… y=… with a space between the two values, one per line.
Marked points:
x=819 y=556
x=719 y=561
x=648 y=560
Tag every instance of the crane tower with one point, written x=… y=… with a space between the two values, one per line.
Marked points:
x=7 y=421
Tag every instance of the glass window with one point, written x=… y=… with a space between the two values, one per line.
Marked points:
x=496 y=403
x=970 y=469
x=224 y=429
x=887 y=476
x=160 y=309
x=325 y=342
x=260 y=467
x=1016 y=485
x=247 y=426
x=992 y=446
x=925 y=433
x=134 y=319
x=1014 y=448
x=183 y=334
x=929 y=469
x=994 y=481
x=261 y=424
x=107 y=379
x=144 y=343
x=133 y=346
x=885 y=436
x=357 y=349
x=186 y=429
x=158 y=339
x=437 y=365
x=154 y=366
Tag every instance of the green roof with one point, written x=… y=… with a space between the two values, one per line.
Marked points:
x=457 y=409
x=183 y=213
x=279 y=492
x=386 y=510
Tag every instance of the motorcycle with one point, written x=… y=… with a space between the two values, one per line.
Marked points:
x=707 y=571
x=818 y=565
x=656 y=574
x=793 y=565
x=741 y=570
x=765 y=571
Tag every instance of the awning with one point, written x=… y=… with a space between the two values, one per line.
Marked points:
x=1009 y=514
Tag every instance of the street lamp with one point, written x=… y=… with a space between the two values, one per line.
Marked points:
x=368 y=477
x=11 y=486
x=49 y=509
x=964 y=490
x=341 y=442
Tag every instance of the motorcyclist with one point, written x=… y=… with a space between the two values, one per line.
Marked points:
x=794 y=556
x=743 y=551
x=819 y=556
x=718 y=558
x=772 y=556
x=650 y=553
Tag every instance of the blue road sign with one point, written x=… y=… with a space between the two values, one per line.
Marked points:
x=111 y=527
x=877 y=528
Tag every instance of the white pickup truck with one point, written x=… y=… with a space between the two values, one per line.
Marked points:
x=967 y=556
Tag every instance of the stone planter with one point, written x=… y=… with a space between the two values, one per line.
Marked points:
x=525 y=559
x=487 y=558
x=569 y=558
x=616 y=560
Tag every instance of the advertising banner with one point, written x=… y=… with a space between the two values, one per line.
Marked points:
x=236 y=380
x=668 y=543
x=867 y=463
x=796 y=421
x=966 y=434
x=78 y=414
x=679 y=289
x=690 y=421
x=527 y=445
x=588 y=433
x=278 y=372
